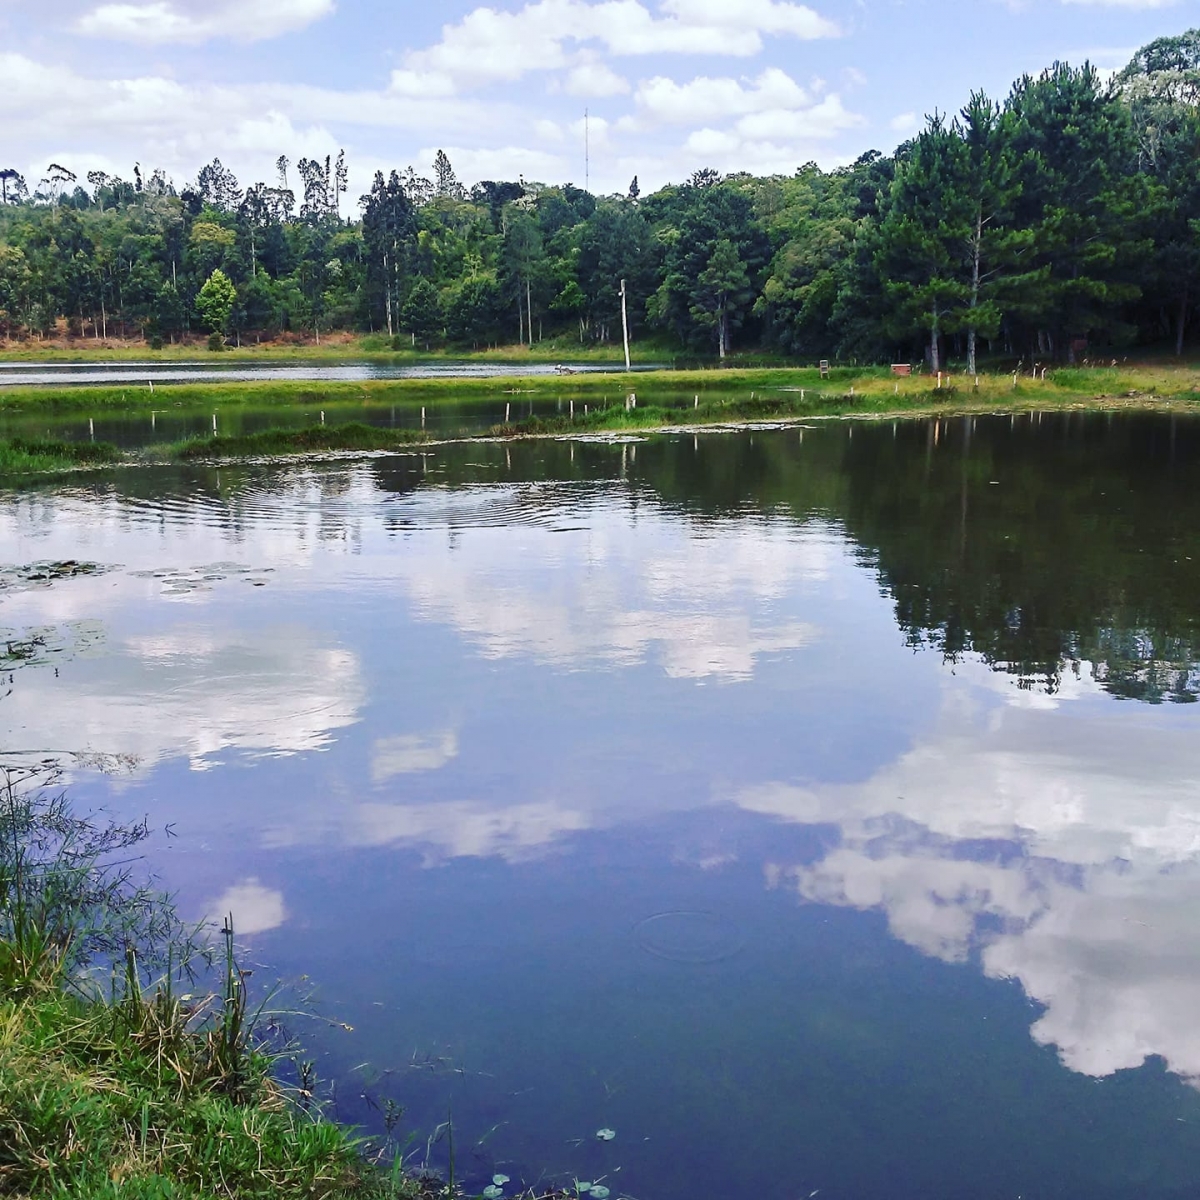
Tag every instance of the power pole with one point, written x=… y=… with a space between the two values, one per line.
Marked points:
x=587 y=153
x=625 y=324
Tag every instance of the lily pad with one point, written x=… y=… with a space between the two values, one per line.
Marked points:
x=500 y=1180
x=582 y=1188
x=600 y=1192
x=492 y=1192
x=605 y=1135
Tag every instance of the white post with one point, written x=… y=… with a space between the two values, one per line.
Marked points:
x=214 y=422
x=507 y=407
x=625 y=324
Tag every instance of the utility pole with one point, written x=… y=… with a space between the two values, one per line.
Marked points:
x=587 y=153
x=625 y=324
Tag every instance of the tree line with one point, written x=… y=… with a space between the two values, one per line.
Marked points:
x=1059 y=222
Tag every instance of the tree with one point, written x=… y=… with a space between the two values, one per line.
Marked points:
x=12 y=186
x=420 y=315
x=217 y=186
x=215 y=301
x=634 y=190
x=1085 y=202
x=723 y=292
x=389 y=228
x=445 y=182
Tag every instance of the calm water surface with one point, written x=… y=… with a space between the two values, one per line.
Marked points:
x=818 y=810
x=319 y=370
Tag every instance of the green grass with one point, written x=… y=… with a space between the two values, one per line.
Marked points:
x=29 y=456
x=314 y=438
x=200 y=396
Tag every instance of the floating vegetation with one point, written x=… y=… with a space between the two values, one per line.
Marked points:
x=45 y=644
x=32 y=456
x=493 y=1192
x=310 y=440
x=605 y=1135
x=46 y=573
x=200 y=579
x=692 y=938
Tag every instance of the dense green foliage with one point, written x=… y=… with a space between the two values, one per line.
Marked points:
x=1058 y=224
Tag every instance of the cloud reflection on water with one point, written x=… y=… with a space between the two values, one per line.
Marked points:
x=1063 y=851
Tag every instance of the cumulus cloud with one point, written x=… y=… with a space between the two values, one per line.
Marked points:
x=163 y=21
x=490 y=46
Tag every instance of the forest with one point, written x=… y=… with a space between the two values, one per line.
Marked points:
x=1060 y=223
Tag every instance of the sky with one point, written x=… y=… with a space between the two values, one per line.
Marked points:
x=668 y=86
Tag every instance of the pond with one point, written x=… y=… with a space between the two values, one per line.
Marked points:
x=817 y=810
x=44 y=374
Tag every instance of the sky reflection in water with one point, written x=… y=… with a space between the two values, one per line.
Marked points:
x=444 y=731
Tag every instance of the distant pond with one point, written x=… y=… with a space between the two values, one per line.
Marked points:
x=816 y=811
x=317 y=371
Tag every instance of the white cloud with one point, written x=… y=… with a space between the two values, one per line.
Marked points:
x=164 y=21
x=254 y=908
x=595 y=79
x=489 y=46
x=663 y=101
x=905 y=122
x=410 y=753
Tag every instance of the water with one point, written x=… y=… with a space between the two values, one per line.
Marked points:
x=68 y=374
x=816 y=809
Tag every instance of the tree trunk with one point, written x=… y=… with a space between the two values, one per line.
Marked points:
x=976 y=258
x=529 y=309
x=1181 y=324
x=935 y=359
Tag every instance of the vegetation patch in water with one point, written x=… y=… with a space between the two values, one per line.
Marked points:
x=27 y=456
x=314 y=438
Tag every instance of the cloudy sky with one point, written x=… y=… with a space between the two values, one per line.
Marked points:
x=670 y=85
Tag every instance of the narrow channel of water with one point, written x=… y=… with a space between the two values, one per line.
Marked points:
x=817 y=810
x=13 y=374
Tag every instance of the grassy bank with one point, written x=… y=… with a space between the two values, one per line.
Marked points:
x=871 y=384
x=612 y=384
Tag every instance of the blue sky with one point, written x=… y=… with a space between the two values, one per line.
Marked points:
x=670 y=85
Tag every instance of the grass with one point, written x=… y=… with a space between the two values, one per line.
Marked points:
x=115 y=1088
x=314 y=438
x=132 y=397
x=28 y=456
x=337 y=347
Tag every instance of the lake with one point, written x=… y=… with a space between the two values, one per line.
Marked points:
x=817 y=810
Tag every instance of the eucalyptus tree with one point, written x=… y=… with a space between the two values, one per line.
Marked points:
x=389 y=230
